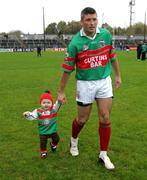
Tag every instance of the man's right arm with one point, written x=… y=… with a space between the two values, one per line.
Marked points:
x=61 y=92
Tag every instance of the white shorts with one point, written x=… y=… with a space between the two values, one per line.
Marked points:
x=88 y=91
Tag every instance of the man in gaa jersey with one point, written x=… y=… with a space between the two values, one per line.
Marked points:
x=47 y=122
x=92 y=55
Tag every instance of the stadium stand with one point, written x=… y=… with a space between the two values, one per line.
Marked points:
x=31 y=41
x=120 y=42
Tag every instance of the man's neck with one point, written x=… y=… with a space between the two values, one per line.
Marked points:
x=90 y=34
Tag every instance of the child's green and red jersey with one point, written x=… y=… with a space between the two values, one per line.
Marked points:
x=90 y=56
x=47 y=121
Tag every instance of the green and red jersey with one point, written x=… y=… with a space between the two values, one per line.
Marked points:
x=47 y=121
x=144 y=48
x=91 y=57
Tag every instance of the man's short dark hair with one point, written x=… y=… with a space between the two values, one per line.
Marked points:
x=87 y=10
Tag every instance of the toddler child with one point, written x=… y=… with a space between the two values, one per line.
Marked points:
x=46 y=115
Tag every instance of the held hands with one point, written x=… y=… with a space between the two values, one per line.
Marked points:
x=61 y=98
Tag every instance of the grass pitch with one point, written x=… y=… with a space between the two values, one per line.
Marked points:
x=24 y=76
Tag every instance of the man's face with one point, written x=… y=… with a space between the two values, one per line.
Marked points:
x=89 y=24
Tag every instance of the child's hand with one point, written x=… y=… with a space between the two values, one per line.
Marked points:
x=26 y=114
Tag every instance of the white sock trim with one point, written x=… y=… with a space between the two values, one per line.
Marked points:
x=74 y=139
x=103 y=153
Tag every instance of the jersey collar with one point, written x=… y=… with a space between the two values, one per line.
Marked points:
x=82 y=33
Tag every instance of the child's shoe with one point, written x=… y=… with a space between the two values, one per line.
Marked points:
x=53 y=147
x=43 y=155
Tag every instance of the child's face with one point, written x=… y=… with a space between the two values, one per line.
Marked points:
x=46 y=104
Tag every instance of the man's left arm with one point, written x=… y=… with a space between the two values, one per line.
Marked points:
x=116 y=69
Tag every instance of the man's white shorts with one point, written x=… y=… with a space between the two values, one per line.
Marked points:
x=88 y=91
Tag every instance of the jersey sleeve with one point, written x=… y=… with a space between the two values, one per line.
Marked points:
x=70 y=58
x=112 y=50
x=57 y=106
x=32 y=115
x=112 y=54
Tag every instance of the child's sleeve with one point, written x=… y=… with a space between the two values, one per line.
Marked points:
x=32 y=115
x=57 y=106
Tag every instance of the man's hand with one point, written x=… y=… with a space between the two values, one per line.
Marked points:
x=118 y=82
x=61 y=98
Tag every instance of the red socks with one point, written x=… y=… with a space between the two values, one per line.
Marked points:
x=76 y=128
x=104 y=133
x=43 y=150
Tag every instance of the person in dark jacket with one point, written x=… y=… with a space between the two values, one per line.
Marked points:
x=38 y=51
x=139 y=49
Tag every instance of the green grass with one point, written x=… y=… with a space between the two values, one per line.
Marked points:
x=23 y=77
